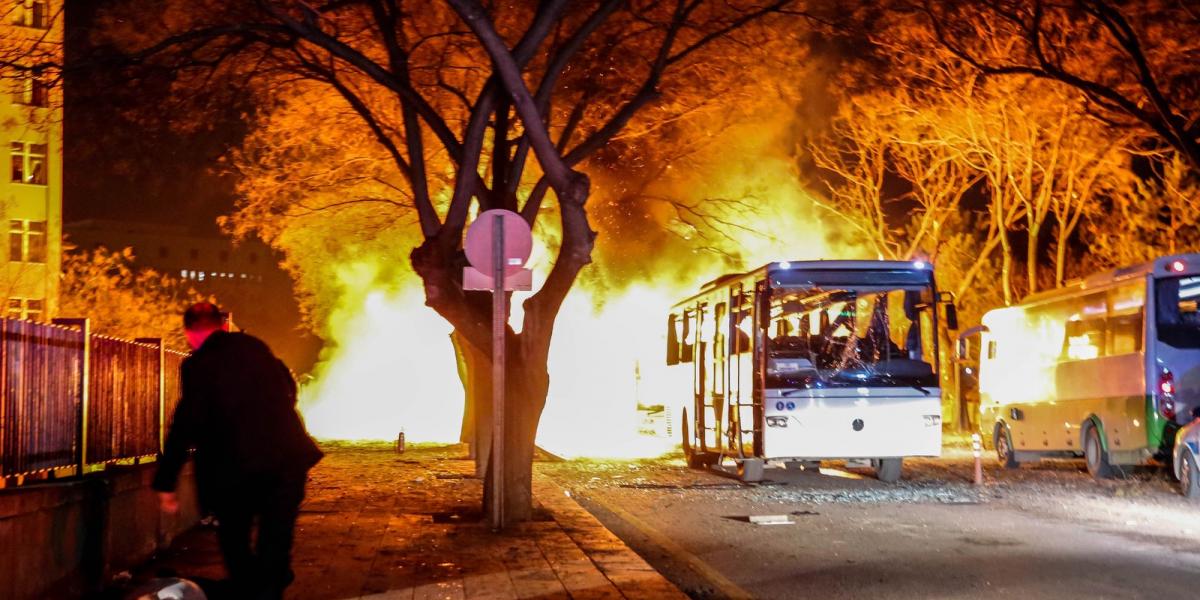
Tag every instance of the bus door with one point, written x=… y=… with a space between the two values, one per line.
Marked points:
x=740 y=397
x=760 y=318
x=719 y=371
x=705 y=425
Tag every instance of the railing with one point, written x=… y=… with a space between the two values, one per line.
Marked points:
x=73 y=402
x=124 y=398
x=41 y=372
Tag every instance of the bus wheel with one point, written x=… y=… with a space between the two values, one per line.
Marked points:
x=1189 y=477
x=1093 y=453
x=888 y=470
x=1002 y=440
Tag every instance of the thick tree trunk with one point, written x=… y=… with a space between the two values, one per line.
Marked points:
x=526 y=378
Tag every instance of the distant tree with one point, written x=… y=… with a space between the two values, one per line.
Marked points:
x=1135 y=62
x=123 y=300
x=1156 y=216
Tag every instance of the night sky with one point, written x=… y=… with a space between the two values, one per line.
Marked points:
x=135 y=151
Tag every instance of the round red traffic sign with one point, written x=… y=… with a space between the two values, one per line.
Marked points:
x=518 y=240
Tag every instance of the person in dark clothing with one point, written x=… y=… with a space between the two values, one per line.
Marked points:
x=252 y=452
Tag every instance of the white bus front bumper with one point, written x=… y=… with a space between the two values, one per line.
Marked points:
x=852 y=423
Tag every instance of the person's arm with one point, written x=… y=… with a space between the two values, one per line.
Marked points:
x=182 y=435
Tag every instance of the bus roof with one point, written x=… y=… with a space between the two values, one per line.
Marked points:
x=774 y=269
x=1175 y=265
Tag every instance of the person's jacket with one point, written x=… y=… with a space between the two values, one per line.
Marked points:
x=238 y=410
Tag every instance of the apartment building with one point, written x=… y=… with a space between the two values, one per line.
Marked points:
x=244 y=277
x=31 y=130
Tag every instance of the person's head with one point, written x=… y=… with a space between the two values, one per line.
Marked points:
x=200 y=320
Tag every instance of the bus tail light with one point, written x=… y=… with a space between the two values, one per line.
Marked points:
x=1166 y=394
x=776 y=421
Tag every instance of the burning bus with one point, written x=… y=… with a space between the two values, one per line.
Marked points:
x=805 y=361
x=1107 y=367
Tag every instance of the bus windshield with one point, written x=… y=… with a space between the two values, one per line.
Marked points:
x=878 y=336
x=1176 y=314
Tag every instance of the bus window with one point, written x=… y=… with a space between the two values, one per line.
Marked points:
x=1087 y=324
x=1084 y=339
x=688 y=341
x=739 y=343
x=1126 y=305
x=673 y=339
x=720 y=329
x=719 y=345
x=1125 y=334
x=875 y=335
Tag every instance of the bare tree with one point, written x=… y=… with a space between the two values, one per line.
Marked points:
x=1146 y=218
x=1133 y=61
x=507 y=102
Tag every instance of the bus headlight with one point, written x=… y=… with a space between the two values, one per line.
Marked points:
x=776 y=421
x=933 y=420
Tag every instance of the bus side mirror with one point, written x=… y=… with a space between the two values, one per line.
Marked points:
x=947 y=300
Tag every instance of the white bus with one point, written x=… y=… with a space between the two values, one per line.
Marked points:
x=805 y=361
x=1107 y=367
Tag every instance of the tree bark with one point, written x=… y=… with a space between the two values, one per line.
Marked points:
x=1031 y=258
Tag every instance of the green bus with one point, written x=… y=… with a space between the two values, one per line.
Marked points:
x=1107 y=367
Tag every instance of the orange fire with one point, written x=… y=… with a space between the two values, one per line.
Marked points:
x=393 y=368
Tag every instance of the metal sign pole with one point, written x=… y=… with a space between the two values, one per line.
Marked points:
x=499 y=320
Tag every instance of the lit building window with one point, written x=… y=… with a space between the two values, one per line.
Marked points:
x=30 y=309
x=32 y=13
x=28 y=163
x=34 y=308
x=31 y=91
x=26 y=241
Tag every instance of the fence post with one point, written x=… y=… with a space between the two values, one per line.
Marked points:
x=162 y=386
x=85 y=375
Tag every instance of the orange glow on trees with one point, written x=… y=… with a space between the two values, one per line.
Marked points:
x=468 y=108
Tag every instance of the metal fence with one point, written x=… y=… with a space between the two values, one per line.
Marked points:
x=41 y=371
x=76 y=401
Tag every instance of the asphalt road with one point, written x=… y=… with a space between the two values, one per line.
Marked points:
x=1045 y=531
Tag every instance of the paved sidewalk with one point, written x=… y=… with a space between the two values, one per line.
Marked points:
x=380 y=525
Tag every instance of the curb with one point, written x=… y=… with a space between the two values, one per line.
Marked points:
x=724 y=585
